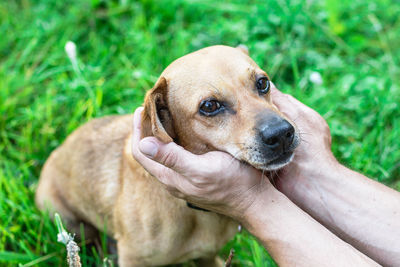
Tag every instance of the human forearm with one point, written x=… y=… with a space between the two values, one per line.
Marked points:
x=361 y=211
x=294 y=238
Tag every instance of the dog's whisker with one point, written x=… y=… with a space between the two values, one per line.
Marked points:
x=294 y=120
x=275 y=177
x=235 y=156
x=304 y=140
x=304 y=133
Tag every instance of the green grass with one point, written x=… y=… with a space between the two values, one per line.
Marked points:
x=124 y=45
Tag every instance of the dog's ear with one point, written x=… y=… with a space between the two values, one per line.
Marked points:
x=156 y=118
x=243 y=48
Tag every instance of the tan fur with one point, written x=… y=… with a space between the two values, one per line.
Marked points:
x=92 y=176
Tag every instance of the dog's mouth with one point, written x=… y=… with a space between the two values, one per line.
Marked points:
x=271 y=165
x=279 y=162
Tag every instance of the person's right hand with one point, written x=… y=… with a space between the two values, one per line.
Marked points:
x=214 y=181
x=314 y=152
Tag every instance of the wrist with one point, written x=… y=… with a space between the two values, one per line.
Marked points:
x=261 y=203
x=313 y=185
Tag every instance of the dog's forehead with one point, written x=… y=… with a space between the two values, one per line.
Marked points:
x=215 y=59
x=212 y=67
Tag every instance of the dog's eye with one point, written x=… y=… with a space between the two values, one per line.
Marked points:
x=210 y=107
x=263 y=85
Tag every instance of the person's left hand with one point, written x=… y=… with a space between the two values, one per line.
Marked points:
x=215 y=181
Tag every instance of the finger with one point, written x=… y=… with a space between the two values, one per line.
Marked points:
x=278 y=98
x=275 y=91
x=284 y=104
x=151 y=166
x=171 y=156
x=290 y=106
x=285 y=101
x=137 y=127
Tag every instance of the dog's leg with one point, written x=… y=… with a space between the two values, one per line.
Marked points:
x=210 y=262
x=50 y=199
x=126 y=256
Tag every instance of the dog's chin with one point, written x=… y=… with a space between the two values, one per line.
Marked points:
x=277 y=163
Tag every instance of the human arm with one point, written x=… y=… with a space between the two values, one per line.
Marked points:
x=361 y=211
x=217 y=182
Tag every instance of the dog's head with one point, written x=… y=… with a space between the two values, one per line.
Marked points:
x=217 y=98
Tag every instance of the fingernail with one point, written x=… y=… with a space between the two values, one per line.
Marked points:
x=148 y=148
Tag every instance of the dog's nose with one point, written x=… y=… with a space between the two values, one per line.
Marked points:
x=278 y=135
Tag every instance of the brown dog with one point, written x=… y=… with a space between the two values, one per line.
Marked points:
x=214 y=99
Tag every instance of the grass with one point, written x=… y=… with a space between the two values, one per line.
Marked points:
x=124 y=45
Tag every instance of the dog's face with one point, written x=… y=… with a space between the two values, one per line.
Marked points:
x=217 y=98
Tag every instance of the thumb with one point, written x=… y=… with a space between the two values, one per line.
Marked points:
x=170 y=155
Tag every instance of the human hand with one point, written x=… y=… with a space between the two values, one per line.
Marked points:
x=217 y=182
x=314 y=152
x=213 y=181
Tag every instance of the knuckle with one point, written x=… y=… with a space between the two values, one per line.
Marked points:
x=197 y=182
x=170 y=159
x=203 y=180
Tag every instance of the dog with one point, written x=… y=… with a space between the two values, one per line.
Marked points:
x=216 y=98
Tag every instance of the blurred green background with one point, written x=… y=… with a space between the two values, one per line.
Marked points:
x=339 y=57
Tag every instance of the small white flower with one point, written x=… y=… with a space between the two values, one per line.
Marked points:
x=70 y=49
x=316 y=78
x=138 y=74
x=63 y=237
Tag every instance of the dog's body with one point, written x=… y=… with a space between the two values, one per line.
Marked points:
x=93 y=178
